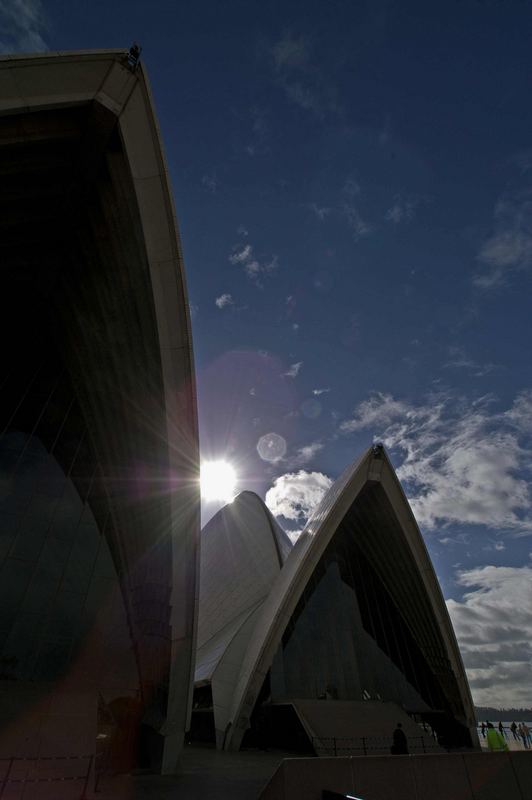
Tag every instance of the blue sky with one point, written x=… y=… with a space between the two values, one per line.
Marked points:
x=353 y=183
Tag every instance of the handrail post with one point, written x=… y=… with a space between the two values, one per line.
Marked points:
x=6 y=777
x=335 y=752
x=364 y=745
x=87 y=777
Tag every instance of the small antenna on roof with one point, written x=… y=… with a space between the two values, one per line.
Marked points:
x=132 y=57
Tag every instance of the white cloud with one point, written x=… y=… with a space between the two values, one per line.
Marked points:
x=402 y=210
x=378 y=410
x=290 y=52
x=22 y=25
x=320 y=211
x=520 y=414
x=493 y=624
x=460 y=461
x=359 y=227
x=459 y=360
x=293 y=370
x=210 y=182
x=304 y=454
x=351 y=187
x=308 y=451
x=317 y=392
x=242 y=255
x=295 y=494
x=509 y=248
x=224 y=300
x=301 y=80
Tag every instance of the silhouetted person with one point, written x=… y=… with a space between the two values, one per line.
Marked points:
x=400 y=744
x=513 y=728
x=483 y=729
x=528 y=733
x=501 y=729
x=522 y=730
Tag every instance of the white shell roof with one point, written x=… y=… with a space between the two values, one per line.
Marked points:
x=277 y=609
x=242 y=551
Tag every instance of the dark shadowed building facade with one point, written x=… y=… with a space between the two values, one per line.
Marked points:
x=99 y=493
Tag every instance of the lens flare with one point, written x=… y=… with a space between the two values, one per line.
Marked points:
x=217 y=481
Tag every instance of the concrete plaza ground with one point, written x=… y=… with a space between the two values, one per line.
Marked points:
x=207 y=774
x=211 y=775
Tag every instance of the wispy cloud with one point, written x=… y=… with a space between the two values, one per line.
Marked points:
x=22 y=26
x=493 y=624
x=379 y=410
x=347 y=207
x=460 y=461
x=402 y=210
x=293 y=370
x=224 y=300
x=509 y=248
x=317 y=392
x=255 y=268
x=302 y=82
x=258 y=143
x=358 y=225
x=321 y=212
x=350 y=210
x=303 y=455
x=459 y=360
x=210 y=182
x=295 y=495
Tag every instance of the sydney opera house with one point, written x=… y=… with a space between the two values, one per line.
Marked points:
x=99 y=444
x=108 y=649
x=340 y=636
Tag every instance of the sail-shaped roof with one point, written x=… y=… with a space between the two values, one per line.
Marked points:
x=242 y=552
x=383 y=559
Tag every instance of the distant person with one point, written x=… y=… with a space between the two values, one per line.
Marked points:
x=400 y=744
x=483 y=729
x=523 y=733
x=501 y=729
x=528 y=733
x=496 y=741
x=513 y=728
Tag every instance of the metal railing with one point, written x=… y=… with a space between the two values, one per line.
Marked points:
x=370 y=745
x=12 y=775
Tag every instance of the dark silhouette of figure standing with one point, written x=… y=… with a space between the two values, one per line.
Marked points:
x=400 y=744
x=513 y=728
x=501 y=729
x=483 y=729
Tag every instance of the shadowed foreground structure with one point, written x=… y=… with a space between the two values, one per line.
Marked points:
x=99 y=483
x=467 y=776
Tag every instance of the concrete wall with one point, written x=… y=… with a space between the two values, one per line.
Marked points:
x=463 y=776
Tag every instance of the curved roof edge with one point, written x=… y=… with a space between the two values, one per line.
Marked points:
x=229 y=522
x=373 y=466
x=60 y=80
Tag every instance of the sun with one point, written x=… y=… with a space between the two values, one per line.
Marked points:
x=217 y=481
